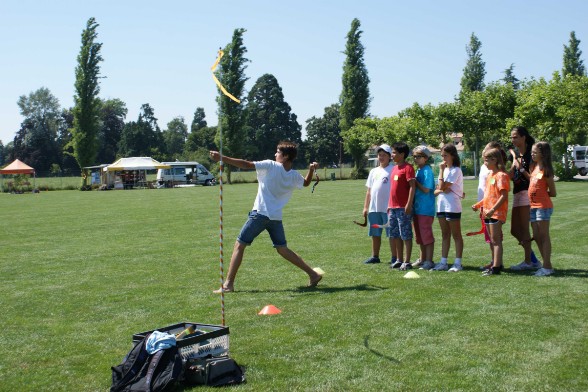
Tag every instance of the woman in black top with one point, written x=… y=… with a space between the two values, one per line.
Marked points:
x=520 y=173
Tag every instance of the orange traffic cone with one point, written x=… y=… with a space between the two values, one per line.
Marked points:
x=269 y=310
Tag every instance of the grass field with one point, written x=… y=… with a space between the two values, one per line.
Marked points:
x=80 y=272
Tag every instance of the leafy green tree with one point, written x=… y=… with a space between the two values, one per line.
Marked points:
x=355 y=94
x=36 y=141
x=2 y=154
x=485 y=114
x=231 y=74
x=268 y=119
x=174 y=137
x=509 y=77
x=474 y=71
x=112 y=121
x=556 y=111
x=202 y=138
x=572 y=61
x=198 y=121
x=324 y=137
x=84 y=140
x=143 y=137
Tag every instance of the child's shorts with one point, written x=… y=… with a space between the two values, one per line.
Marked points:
x=377 y=218
x=541 y=214
x=449 y=216
x=258 y=223
x=400 y=224
x=423 y=229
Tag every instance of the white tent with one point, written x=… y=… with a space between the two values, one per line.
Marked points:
x=136 y=163
x=133 y=164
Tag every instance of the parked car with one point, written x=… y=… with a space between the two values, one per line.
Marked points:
x=183 y=173
x=580 y=158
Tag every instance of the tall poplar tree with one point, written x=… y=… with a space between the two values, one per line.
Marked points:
x=231 y=74
x=474 y=71
x=86 y=110
x=355 y=95
x=572 y=63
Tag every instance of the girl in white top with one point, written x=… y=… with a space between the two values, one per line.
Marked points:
x=449 y=193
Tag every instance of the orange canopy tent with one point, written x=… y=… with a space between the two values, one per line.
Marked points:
x=17 y=167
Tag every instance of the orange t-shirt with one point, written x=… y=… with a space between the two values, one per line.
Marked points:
x=495 y=183
x=538 y=195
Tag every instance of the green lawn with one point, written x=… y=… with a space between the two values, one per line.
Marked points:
x=80 y=272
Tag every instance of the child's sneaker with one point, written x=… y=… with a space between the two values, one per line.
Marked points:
x=440 y=267
x=544 y=272
x=524 y=266
x=485 y=267
x=427 y=265
x=396 y=264
x=372 y=260
x=405 y=266
x=492 y=271
x=417 y=263
x=456 y=268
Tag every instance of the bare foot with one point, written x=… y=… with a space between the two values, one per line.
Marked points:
x=315 y=281
x=225 y=289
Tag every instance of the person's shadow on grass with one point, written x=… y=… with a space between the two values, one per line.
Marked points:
x=319 y=289
x=377 y=353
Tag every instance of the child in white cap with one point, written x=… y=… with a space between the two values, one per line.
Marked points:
x=376 y=201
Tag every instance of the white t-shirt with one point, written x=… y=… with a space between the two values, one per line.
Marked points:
x=379 y=184
x=482 y=181
x=450 y=201
x=275 y=188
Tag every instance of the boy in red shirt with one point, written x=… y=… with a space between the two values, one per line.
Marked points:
x=402 y=190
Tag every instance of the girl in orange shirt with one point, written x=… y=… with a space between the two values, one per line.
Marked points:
x=495 y=206
x=541 y=190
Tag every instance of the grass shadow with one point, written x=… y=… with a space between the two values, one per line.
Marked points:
x=377 y=353
x=319 y=289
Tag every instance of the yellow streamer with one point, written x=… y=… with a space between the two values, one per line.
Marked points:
x=213 y=68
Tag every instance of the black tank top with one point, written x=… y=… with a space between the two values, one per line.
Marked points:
x=520 y=182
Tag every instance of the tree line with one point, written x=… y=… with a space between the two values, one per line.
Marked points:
x=96 y=131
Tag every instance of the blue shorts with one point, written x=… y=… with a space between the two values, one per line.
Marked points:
x=258 y=223
x=377 y=218
x=449 y=216
x=541 y=214
x=400 y=224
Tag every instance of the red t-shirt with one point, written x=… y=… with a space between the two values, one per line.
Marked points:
x=399 y=185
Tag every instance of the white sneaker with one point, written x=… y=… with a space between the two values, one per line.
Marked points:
x=544 y=272
x=455 y=268
x=417 y=263
x=522 y=266
x=427 y=265
x=440 y=267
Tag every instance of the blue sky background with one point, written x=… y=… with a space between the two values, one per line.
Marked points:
x=160 y=52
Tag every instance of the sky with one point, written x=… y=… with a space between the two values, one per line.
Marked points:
x=160 y=52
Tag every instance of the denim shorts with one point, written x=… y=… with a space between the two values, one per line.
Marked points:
x=400 y=224
x=258 y=223
x=377 y=218
x=449 y=216
x=541 y=214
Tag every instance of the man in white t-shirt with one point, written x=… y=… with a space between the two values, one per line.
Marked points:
x=277 y=180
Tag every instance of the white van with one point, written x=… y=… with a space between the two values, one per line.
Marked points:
x=184 y=173
x=580 y=158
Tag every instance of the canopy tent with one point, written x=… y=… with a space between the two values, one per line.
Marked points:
x=17 y=167
x=129 y=180
x=136 y=163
